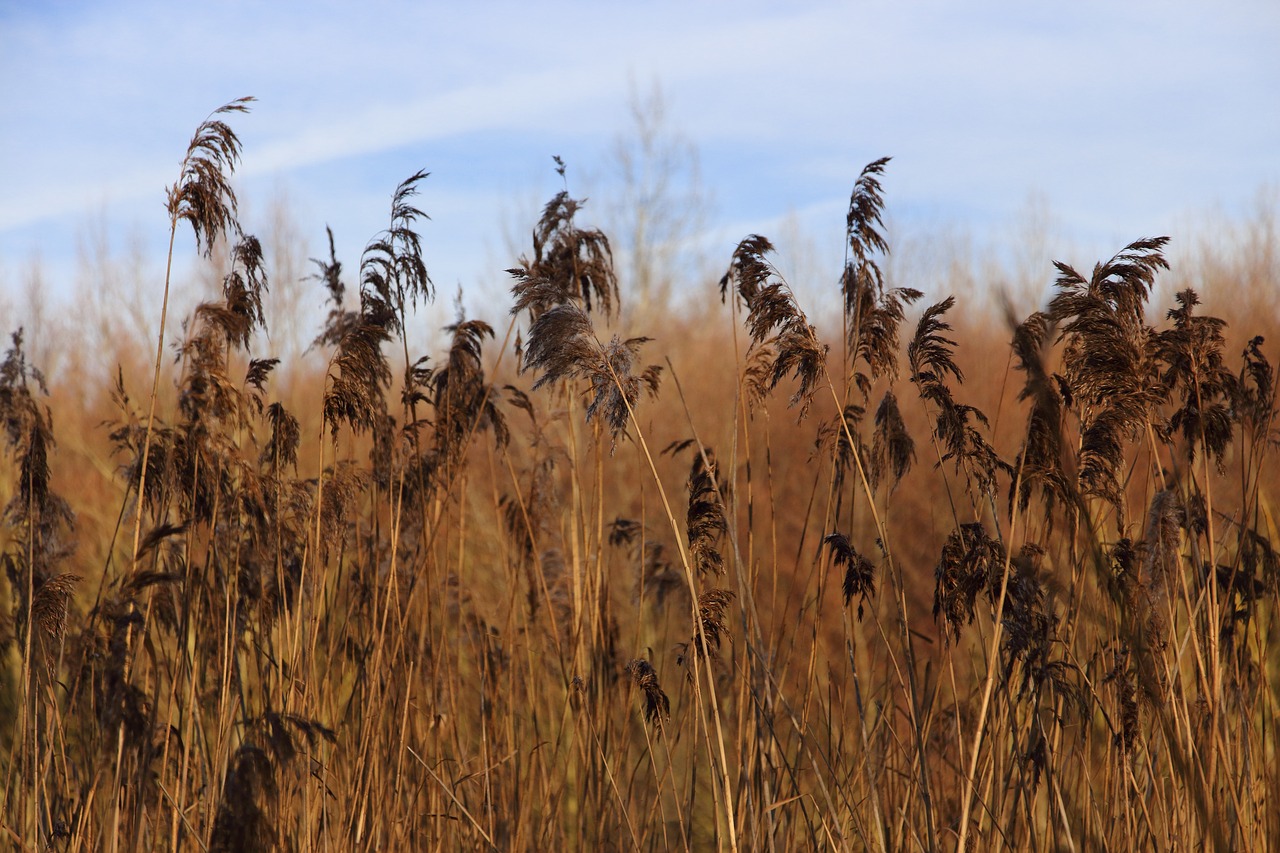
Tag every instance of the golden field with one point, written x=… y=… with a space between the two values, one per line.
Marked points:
x=893 y=571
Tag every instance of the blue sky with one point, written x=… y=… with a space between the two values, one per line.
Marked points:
x=1124 y=119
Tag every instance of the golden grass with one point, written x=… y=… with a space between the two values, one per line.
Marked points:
x=564 y=587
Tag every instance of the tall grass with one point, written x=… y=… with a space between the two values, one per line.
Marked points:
x=771 y=579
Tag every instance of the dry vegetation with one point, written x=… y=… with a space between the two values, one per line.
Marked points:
x=560 y=586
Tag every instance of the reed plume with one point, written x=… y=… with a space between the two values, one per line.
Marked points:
x=657 y=707
x=872 y=313
x=569 y=268
x=859 y=572
x=712 y=605
x=1109 y=357
x=774 y=319
x=932 y=362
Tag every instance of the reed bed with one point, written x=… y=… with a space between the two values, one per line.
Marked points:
x=893 y=577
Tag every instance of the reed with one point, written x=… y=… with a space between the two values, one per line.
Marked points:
x=463 y=598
